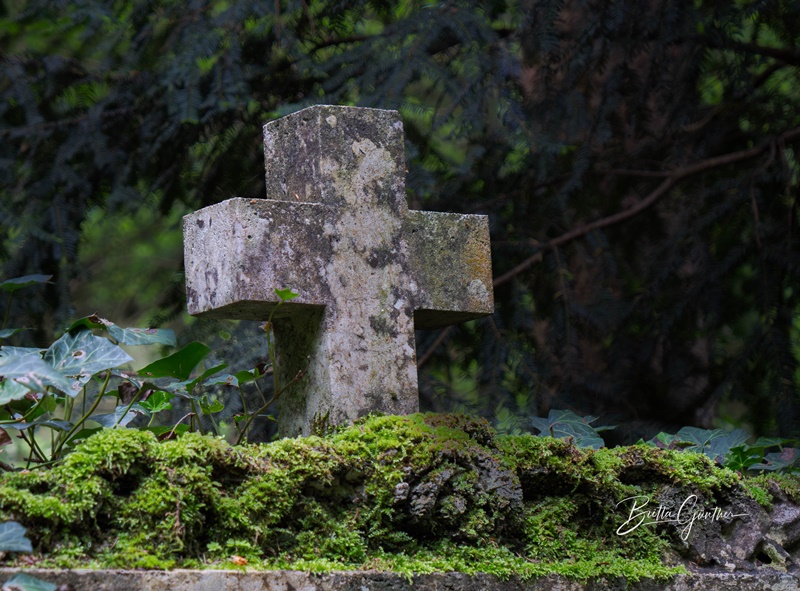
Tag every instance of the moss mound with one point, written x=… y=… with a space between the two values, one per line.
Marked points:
x=423 y=493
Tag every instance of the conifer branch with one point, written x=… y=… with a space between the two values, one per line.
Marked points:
x=63 y=122
x=669 y=182
x=785 y=54
x=429 y=353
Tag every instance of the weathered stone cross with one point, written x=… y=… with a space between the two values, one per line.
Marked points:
x=337 y=229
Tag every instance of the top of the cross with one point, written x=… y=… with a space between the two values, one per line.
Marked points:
x=314 y=154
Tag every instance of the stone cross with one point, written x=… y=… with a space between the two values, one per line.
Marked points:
x=336 y=228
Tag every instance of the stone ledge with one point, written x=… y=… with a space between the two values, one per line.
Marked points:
x=217 y=580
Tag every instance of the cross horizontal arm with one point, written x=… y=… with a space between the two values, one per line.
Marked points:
x=240 y=251
x=450 y=263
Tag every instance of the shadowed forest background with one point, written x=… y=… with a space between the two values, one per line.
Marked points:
x=637 y=161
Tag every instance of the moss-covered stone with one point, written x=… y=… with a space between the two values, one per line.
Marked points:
x=421 y=493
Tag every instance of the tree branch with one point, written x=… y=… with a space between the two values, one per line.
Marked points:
x=643 y=173
x=63 y=122
x=429 y=353
x=674 y=178
x=785 y=54
x=339 y=41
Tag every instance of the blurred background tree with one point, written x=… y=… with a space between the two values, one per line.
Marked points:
x=637 y=160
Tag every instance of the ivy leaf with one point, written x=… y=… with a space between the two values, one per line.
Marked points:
x=23 y=582
x=158 y=401
x=29 y=369
x=10 y=332
x=82 y=355
x=210 y=406
x=11 y=390
x=90 y=322
x=127 y=336
x=714 y=443
x=286 y=294
x=696 y=436
x=663 y=440
x=178 y=365
x=206 y=374
x=742 y=457
x=7 y=351
x=54 y=424
x=722 y=444
x=770 y=441
x=252 y=375
x=12 y=538
x=184 y=388
x=240 y=377
x=782 y=460
x=224 y=379
x=565 y=423
x=116 y=418
x=13 y=285
x=143 y=336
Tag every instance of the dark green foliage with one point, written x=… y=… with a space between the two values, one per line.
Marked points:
x=566 y=424
x=12 y=538
x=730 y=449
x=637 y=159
x=25 y=582
x=62 y=387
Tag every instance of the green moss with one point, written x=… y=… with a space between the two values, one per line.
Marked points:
x=504 y=563
x=423 y=493
x=82 y=490
x=789 y=485
x=764 y=487
x=757 y=490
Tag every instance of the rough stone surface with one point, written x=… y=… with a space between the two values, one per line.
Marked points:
x=785 y=526
x=185 y=580
x=731 y=542
x=742 y=536
x=336 y=228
